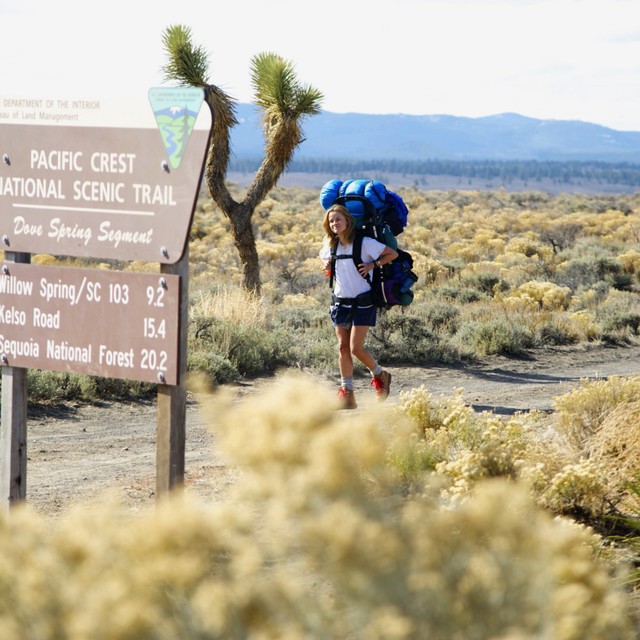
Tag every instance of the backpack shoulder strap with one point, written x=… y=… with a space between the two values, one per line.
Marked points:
x=357 y=252
x=332 y=267
x=333 y=257
x=357 y=248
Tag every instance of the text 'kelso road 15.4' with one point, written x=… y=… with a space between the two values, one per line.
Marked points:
x=106 y=323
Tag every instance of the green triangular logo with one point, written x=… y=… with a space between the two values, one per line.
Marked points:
x=176 y=110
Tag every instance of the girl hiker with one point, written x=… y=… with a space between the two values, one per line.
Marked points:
x=352 y=308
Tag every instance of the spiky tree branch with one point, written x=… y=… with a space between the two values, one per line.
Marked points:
x=284 y=102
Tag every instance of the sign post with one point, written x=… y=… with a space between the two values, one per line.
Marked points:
x=172 y=401
x=13 y=426
x=99 y=192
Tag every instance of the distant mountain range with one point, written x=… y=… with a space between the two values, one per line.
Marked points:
x=506 y=136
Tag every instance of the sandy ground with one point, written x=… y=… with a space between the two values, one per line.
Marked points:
x=76 y=454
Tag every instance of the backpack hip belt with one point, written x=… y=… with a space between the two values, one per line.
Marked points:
x=363 y=300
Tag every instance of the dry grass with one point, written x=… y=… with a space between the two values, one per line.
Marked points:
x=231 y=304
x=615 y=446
x=581 y=413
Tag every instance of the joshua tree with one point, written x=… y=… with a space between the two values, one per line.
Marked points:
x=284 y=103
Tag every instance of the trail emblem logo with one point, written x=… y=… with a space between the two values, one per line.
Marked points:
x=176 y=110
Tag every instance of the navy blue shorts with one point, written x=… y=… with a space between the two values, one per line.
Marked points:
x=349 y=316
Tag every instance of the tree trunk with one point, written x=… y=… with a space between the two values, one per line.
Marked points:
x=245 y=243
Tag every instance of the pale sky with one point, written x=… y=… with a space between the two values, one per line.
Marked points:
x=551 y=59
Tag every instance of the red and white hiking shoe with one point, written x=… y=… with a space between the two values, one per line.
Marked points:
x=382 y=384
x=347 y=398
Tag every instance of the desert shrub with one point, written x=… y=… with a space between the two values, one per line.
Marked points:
x=516 y=268
x=619 y=316
x=556 y=330
x=546 y=294
x=495 y=336
x=60 y=387
x=385 y=544
x=183 y=572
x=56 y=387
x=530 y=247
x=591 y=298
x=441 y=316
x=121 y=389
x=232 y=333
x=585 y=325
x=413 y=458
x=580 y=490
x=615 y=446
x=318 y=353
x=587 y=271
x=432 y=271
x=460 y=293
x=622 y=281
x=228 y=303
x=630 y=261
x=575 y=274
x=251 y=350
x=312 y=339
x=457 y=443
x=497 y=454
x=404 y=337
x=429 y=414
x=486 y=283
x=581 y=412
x=216 y=368
x=302 y=317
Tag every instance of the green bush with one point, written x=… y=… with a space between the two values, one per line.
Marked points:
x=460 y=293
x=618 y=316
x=403 y=337
x=555 y=331
x=54 y=387
x=216 y=368
x=441 y=316
x=495 y=337
x=250 y=350
x=43 y=386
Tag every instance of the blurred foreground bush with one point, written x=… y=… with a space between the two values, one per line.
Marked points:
x=318 y=539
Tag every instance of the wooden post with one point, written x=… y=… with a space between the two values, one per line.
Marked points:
x=13 y=424
x=172 y=400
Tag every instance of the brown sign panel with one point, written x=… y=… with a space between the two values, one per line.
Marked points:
x=111 y=324
x=97 y=192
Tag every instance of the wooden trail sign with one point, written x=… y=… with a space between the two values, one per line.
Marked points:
x=99 y=192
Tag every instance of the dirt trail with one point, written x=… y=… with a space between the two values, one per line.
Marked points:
x=76 y=454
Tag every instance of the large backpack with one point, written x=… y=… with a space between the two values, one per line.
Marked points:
x=389 y=207
x=380 y=214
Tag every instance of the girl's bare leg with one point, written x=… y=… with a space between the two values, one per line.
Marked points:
x=345 y=361
x=358 y=336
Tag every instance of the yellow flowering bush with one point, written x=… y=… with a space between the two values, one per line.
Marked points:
x=630 y=261
x=585 y=324
x=547 y=294
x=581 y=412
x=580 y=487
